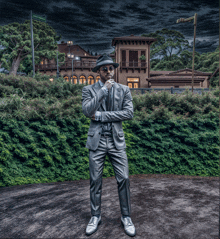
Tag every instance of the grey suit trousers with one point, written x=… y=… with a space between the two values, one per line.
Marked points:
x=119 y=162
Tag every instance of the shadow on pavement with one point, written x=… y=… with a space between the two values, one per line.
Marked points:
x=162 y=207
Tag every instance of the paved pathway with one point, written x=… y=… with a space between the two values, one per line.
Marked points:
x=163 y=207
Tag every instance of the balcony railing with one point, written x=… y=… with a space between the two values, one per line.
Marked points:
x=133 y=64
x=66 y=65
x=87 y=65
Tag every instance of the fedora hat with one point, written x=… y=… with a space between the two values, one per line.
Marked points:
x=104 y=60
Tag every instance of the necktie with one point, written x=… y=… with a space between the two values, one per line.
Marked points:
x=109 y=100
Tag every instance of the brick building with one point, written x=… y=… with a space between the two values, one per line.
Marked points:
x=133 y=55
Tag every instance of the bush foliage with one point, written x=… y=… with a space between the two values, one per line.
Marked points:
x=43 y=133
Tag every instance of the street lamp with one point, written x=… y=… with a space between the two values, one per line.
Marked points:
x=71 y=56
x=58 y=73
x=195 y=22
x=69 y=44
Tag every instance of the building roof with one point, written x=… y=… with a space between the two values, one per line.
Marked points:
x=183 y=75
x=190 y=72
x=176 y=78
x=131 y=38
x=154 y=73
x=63 y=48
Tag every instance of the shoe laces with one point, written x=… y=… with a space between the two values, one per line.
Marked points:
x=128 y=221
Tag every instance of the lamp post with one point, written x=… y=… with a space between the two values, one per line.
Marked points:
x=195 y=22
x=69 y=44
x=71 y=56
x=58 y=73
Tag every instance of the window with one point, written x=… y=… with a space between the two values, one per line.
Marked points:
x=74 y=79
x=91 y=80
x=143 y=62
x=66 y=78
x=42 y=62
x=133 y=82
x=123 y=53
x=82 y=80
x=133 y=58
x=97 y=78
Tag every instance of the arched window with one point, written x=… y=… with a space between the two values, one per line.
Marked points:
x=91 y=80
x=74 y=80
x=82 y=80
x=97 y=78
x=66 y=78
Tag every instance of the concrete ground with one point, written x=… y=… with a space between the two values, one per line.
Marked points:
x=162 y=207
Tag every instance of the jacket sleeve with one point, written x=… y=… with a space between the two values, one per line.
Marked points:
x=125 y=114
x=91 y=104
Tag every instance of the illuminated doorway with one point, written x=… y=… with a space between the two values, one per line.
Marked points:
x=133 y=82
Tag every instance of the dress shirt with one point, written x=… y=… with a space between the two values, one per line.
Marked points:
x=98 y=114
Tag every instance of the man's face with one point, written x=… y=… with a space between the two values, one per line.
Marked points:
x=106 y=72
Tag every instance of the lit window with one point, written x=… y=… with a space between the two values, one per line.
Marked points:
x=97 y=78
x=66 y=78
x=42 y=62
x=82 y=80
x=90 y=80
x=133 y=82
x=132 y=79
x=135 y=85
x=74 y=80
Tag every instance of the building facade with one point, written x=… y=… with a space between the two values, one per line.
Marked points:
x=133 y=55
x=76 y=71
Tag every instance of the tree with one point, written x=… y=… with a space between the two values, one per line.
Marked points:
x=16 y=40
x=172 y=64
x=142 y=57
x=187 y=57
x=168 y=42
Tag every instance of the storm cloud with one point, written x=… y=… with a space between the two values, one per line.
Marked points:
x=93 y=24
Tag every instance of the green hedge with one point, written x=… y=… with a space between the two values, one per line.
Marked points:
x=51 y=151
x=43 y=132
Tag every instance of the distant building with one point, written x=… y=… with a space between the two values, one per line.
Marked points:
x=82 y=70
x=133 y=55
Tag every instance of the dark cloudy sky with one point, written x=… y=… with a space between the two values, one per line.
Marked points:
x=93 y=24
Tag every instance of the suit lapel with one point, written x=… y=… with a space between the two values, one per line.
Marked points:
x=96 y=87
x=116 y=95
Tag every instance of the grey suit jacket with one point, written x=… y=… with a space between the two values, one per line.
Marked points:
x=93 y=99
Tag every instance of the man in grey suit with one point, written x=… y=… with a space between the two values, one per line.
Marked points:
x=107 y=103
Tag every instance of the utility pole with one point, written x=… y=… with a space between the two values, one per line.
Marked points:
x=43 y=19
x=32 y=46
x=58 y=73
x=194 y=39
